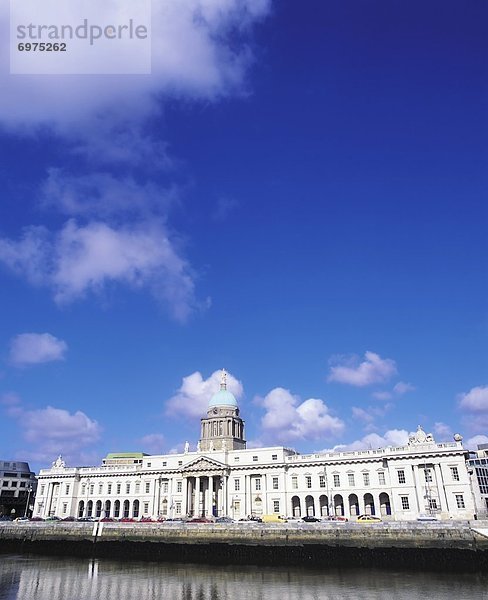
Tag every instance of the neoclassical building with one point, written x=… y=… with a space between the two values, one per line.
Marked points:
x=222 y=477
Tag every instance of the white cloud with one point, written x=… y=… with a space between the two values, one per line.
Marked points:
x=36 y=348
x=372 y=370
x=476 y=400
x=402 y=388
x=472 y=443
x=382 y=395
x=392 y=437
x=152 y=443
x=200 y=51
x=288 y=419
x=89 y=258
x=362 y=415
x=442 y=430
x=191 y=400
x=53 y=431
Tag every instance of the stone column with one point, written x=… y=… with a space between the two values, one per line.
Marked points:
x=419 y=489
x=225 y=502
x=209 y=503
x=196 y=510
x=184 y=505
x=444 y=504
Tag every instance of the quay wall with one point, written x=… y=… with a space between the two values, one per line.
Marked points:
x=461 y=546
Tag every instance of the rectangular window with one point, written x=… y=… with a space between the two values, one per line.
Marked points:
x=109 y=489
x=237 y=485
x=405 y=503
x=178 y=508
x=454 y=474
x=294 y=483
x=149 y=464
x=428 y=475
x=381 y=478
x=308 y=481
x=366 y=479
x=22 y=484
x=65 y=508
x=274 y=457
x=255 y=459
x=236 y=459
x=179 y=486
x=350 y=479
x=401 y=476
x=165 y=463
x=433 y=504
x=275 y=483
x=180 y=462
x=322 y=481
x=66 y=489
x=92 y=489
x=118 y=488
x=258 y=484
x=482 y=476
x=460 y=501
x=138 y=487
x=100 y=488
x=83 y=489
x=42 y=490
x=148 y=487
x=276 y=506
x=337 y=481
x=13 y=484
x=146 y=507
x=127 y=488
x=165 y=487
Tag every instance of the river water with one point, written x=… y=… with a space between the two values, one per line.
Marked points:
x=54 y=578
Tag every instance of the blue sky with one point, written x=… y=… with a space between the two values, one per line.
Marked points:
x=299 y=197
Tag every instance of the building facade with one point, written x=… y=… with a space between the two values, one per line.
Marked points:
x=17 y=488
x=478 y=471
x=221 y=477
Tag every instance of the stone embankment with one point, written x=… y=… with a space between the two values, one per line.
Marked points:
x=450 y=545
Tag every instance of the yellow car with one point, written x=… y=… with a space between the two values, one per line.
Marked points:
x=368 y=519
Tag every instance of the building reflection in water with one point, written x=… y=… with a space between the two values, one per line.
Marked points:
x=42 y=578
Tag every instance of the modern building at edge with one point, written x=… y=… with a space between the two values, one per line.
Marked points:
x=17 y=488
x=222 y=477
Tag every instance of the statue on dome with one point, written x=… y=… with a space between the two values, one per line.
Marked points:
x=187 y=447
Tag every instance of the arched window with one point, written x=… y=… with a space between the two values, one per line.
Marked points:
x=385 y=506
x=126 y=509
x=98 y=512
x=310 y=506
x=116 y=509
x=81 y=509
x=324 y=505
x=89 y=508
x=369 y=504
x=135 y=509
x=296 y=510
x=338 y=505
x=353 y=505
x=107 y=508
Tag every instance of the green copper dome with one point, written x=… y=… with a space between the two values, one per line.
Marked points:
x=223 y=398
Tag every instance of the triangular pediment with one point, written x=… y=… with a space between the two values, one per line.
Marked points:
x=204 y=463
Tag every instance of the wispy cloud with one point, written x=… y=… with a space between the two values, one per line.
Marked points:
x=88 y=258
x=152 y=443
x=392 y=437
x=475 y=401
x=373 y=369
x=191 y=400
x=52 y=431
x=36 y=348
x=287 y=418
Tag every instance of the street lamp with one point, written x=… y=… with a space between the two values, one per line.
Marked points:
x=29 y=492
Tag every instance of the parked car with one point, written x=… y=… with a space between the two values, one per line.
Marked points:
x=338 y=518
x=427 y=518
x=310 y=519
x=21 y=520
x=368 y=519
x=68 y=519
x=53 y=518
x=224 y=520
x=200 y=520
